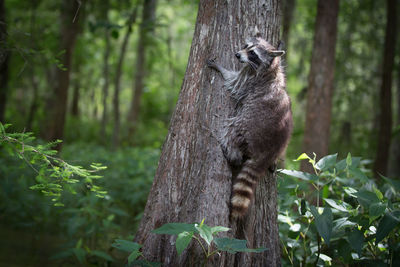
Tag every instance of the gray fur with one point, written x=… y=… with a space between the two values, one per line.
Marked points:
x=260 y=125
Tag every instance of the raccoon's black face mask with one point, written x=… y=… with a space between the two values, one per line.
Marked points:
x=257 y=51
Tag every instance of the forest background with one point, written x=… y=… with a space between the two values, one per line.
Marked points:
x=107 y=86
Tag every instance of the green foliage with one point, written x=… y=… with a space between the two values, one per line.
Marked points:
x=347 y=218
x=53 y=174
x=205 y=237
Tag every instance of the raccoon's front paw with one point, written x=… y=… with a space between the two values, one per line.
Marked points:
x=211 y=63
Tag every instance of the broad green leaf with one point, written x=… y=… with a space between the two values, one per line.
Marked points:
x=356 y=240
x=342 y=223
x=326 y=162
x=366 y=198
x=102 y=254
x=233 y=245
x=325 y=258
x=357 y=173
x=350 y=191
x=182 y=241
x=175 y=228
x=338 y=206
x=80 y=254
x=392 y=182
x=217 y=229
x=323 y=222
x=126 y=245
x=301 y=175
x=205 y=233
x=386 y=225
x=133 y=256
x=376 y=210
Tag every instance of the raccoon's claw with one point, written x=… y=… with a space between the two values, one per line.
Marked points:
x=211 y=63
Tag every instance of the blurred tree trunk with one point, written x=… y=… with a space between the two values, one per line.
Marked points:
x=320 y=82
x=4 y=56
x=116 y=111
x=394 y=166
x=288 y=9
x=385 y=116
x=76 y=94
x=106 y=56
x=53 y=127
x=34 y=81
x=146 y=28
x=193 y=180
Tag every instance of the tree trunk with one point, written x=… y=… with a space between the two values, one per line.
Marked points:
x=57 y=105
x=146 y=28
x=116 y=113
x=105 y=71
x=76 y=94
x=394 y=166
x=385 y=116
x=320 y=82
x=288 y=9
x=4 y=56
x=193 y=180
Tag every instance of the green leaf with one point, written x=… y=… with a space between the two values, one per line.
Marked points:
x=325 y=258
x=80 y=254
x=102 y=254
x=386 y=225
x=126 y=245
x=303 y=156
x=301 y=175
x=205 y=233
x=323 y=222
x=376 y=210
x=339 y=206
x=233 y=245
x=357 y=173
x=348 y=159
x=175 y=228
x=326 y=162
x=366 y=198
x=356 y=240
x=217 y=229
x=394 y=183
x=182 y=241
x=133 y=256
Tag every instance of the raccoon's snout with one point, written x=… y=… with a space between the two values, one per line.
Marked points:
x=237 y=55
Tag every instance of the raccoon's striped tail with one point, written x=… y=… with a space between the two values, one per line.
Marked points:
x=243 y=189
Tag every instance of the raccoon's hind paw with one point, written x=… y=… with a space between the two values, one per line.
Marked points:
x=233 y=156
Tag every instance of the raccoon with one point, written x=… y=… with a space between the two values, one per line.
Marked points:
x=260 y=124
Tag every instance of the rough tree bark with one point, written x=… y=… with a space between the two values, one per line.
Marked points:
x=193 y=180
x=385 y=116
x=320 y=82
x=4 y=56
x=118 y=74
x=57 y=105
x=146 y=28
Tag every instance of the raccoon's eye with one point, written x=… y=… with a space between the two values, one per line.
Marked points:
x=252 y=53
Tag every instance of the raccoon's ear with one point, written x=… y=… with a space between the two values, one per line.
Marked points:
x=276 y=53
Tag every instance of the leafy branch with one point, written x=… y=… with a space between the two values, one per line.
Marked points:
x=53 y=174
